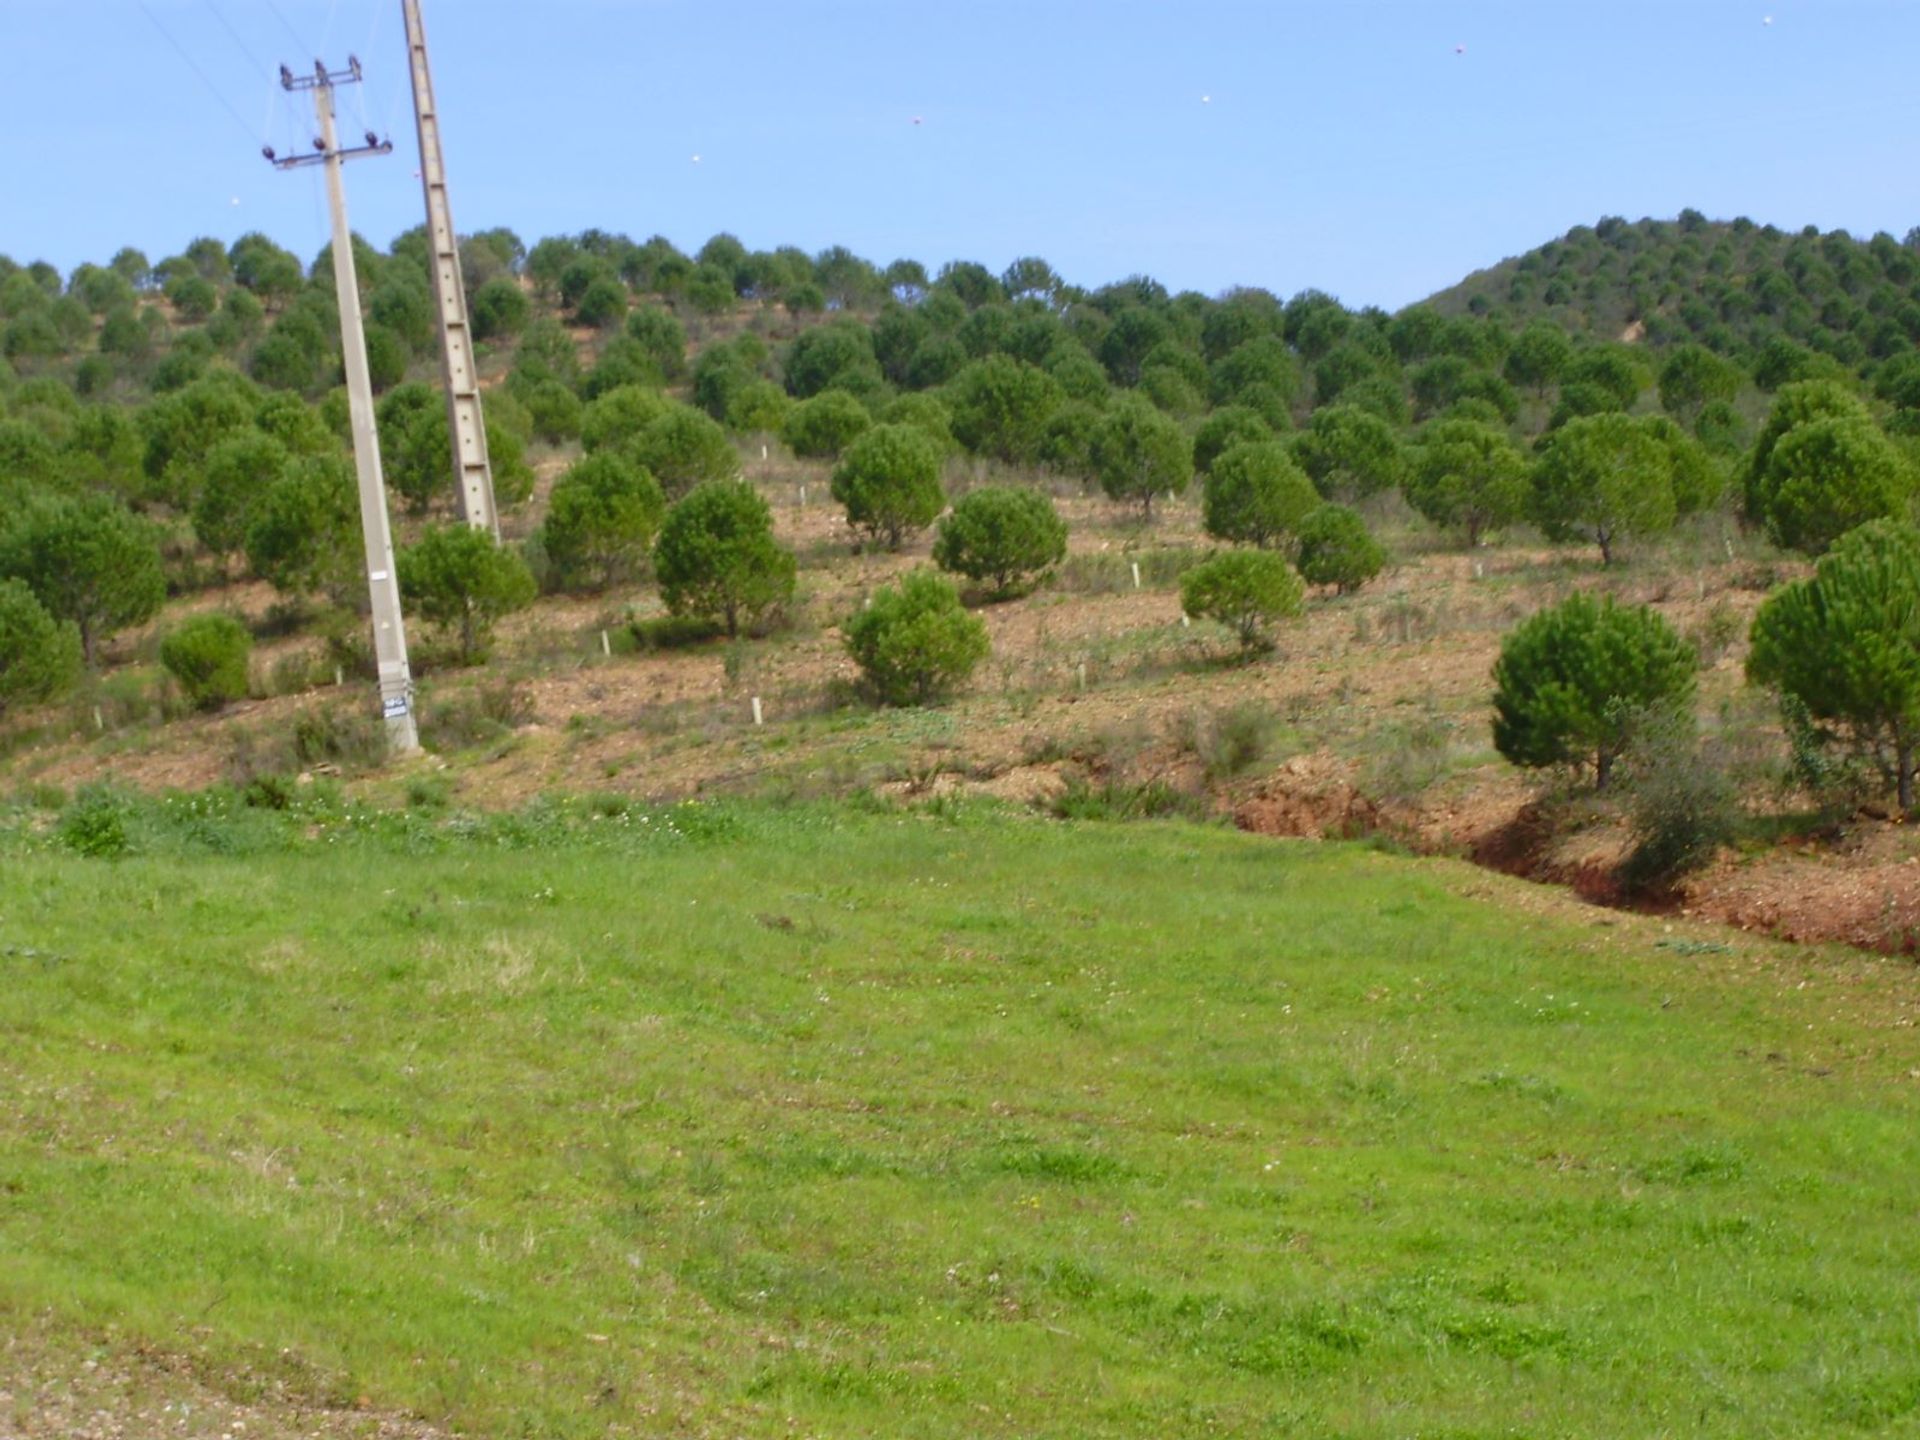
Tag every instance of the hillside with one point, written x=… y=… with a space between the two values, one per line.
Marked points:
x=1732 y=286
x=187 y=410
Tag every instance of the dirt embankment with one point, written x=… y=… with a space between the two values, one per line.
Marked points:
x=1860 y=887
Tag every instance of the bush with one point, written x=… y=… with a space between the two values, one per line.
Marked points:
x=1227 y=427
x=553 y=409
x=500 y=308
x=39 y=655
x=95 y=824
x=601 y=520
x=927 y=414
x=674 y=632
x=238 y=471
x=207 y=657
x=1346 y=450
x=1681 y=806
x=463 y=581
x=602 y=305
x=1003 y=536
x=1336 y=549
x=1256 y=495
x=915 y=641
x=822 y=427
x=1572 y=680
x=1828 y=475
x=683 y=448
x=1001 y=406
x=889 y=480
x=716 y=556
x=620 y=416
x=757 y=407
x=305 y=532
x=1245 y=590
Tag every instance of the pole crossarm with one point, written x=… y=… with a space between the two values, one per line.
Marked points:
x=324 y=79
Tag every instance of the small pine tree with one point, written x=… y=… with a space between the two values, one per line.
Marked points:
x=88 y=560
x=822 y=427
x=1337 y=549
x=1256 y=495
x=463 y=581
x=889 y=480
x=716 y=556
x=207 y=657
x=1844 y=647
x=601 y=521
x=1245 y=590
x=1002 y=536
x=1571 y=680
x=39 y=655
x=915 y=642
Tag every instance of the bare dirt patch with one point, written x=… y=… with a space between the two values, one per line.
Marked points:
x=57 y=1388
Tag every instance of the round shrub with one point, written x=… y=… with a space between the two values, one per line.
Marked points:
x=1245 y=590
x=207 y=657
x=716 y=556
x=600 y=522
x=916 y=642
x=889 y=480
x=1336 y=549
x=757 y=407
x=621 y=415
x=39 y=655
x=463 y=581
x=1227 y=427
x=1256 y=495
x=1002 y=536
x=500 y=308
x=1572 y=681
x=1828 y=475
x=683 y=448
x=822 y=427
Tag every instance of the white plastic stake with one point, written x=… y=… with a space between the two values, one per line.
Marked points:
x=606 y=645
x=803 y=497
x=1136 y=574
x=99 y=720
x=763 y=452
x=339 y=676
x=1186 y=621
x=758 y=719
x=1083 y=674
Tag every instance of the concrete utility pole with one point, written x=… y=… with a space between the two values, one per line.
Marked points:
x=389 y=636
x=473 y=471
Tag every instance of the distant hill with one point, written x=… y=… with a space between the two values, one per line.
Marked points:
x=1731 y=285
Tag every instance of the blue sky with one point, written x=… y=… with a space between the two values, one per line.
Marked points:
x=1343 y=144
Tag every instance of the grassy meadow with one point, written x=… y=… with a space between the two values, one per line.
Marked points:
x=833 y=1122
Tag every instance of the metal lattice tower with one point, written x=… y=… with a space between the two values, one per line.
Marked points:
x=473 y=470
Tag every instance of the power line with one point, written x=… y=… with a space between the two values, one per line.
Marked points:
x=212 y=89
x=266 y=70
x=300 y=46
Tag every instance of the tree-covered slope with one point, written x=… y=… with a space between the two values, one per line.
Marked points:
x=1732 y=286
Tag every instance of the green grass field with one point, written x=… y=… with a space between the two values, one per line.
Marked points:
x=826 y=1122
